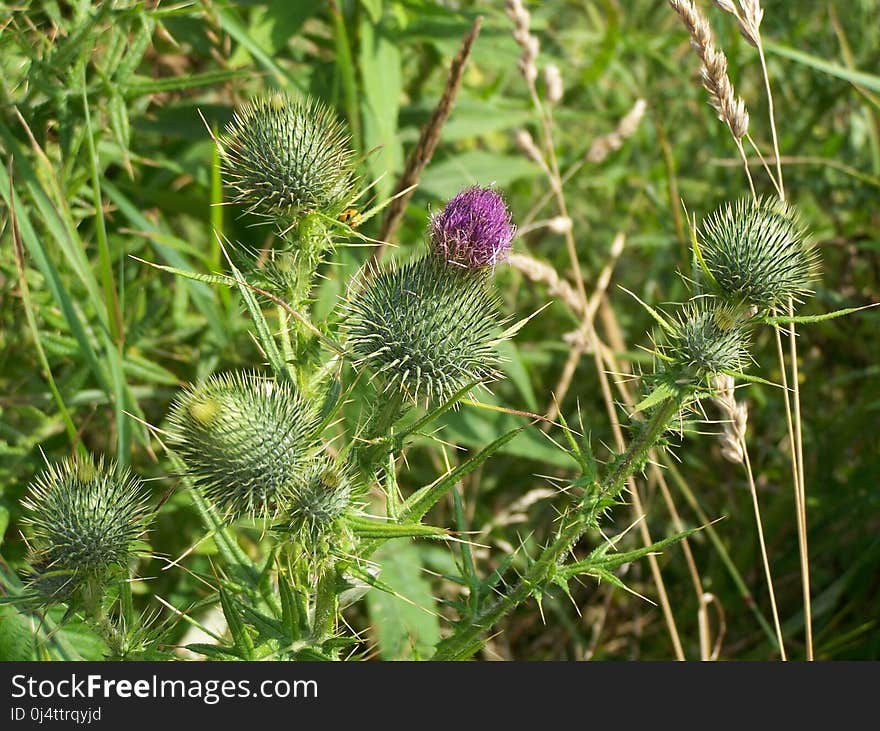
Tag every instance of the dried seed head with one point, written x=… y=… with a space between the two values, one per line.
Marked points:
x=85 y=518
x=474 y=229
x=559 y=224
x=526 y=144
x=626 y=128
x=285 y=156
x=713 y=71
x=736 y=414
x=553 y=83
x=243 y=438
x=758 y=253
x=426 y=328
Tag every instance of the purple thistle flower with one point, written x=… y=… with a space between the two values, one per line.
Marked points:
x=474 y=230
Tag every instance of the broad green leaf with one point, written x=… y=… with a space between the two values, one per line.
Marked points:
x=407 y=627
x=444 y=178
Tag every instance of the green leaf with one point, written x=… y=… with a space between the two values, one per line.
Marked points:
x=243 y=642
x=383 y=529
x=516 y=370
x=294 y=614
x=662 y=321
x=424 y=499
x=381 y=86
x=144 y=86
x=406 y=626
x=804 y=319
x=264 y=334
x=4 y=522
x=853 y=76
x=658 y=395
x=444 y=178
x=16 y=636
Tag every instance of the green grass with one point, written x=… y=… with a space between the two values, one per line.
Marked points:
x=107 y=163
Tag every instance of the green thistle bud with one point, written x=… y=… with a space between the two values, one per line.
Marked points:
x=313 y=504
x=243 y=438
x=85 y=520
x=758 y=253
x=285 y=156
x=705 y=339
x=427 y=328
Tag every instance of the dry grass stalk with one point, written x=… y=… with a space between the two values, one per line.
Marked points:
x=736 y=412
x=730 y=108
x=538 y=271
x=598 y=151
x=626 y=128
x=749 y=15
x=527 y=65
x=428 y=140
x=529 y=43
x=580 y=340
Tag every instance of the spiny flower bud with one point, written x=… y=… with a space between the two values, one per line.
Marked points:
x=312 y=505
x=243 y=438
x=426 y=328
x=85 y=520
x=288 y=156
x=758 y=253
x=473 y=230
x=705 y=339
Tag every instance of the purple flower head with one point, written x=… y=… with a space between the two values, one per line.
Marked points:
x=474 y=230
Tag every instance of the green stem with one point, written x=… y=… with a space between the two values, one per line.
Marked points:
x=94 y=607
x=326 y=606
x=466 y=640
x=284 y=331
x=374 y=449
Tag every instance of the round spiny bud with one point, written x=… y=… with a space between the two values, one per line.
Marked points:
x=313 y=504
x=243 y=438
x=426 y=328
x=758 y=253
x=474 y=230
x=85 y=519
x=288 y=156
x=705 y=339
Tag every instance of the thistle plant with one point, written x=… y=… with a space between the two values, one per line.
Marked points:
x=703 y=340
x=429 y=328
x=244 y=439
x=288 y=157
x=756 y=252
x=474 y=230
x=313 y=508
x=87 y=520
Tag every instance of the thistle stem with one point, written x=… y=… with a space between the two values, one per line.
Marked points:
x=326 y=605
x=466 y=640
x=97 y=615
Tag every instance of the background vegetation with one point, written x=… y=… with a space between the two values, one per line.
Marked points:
x=107 y=159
